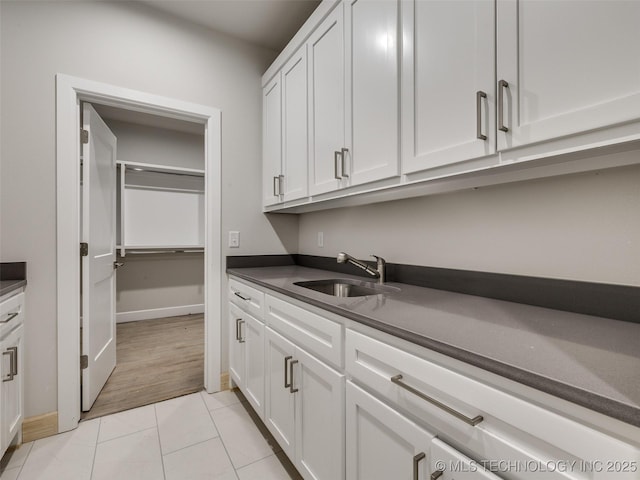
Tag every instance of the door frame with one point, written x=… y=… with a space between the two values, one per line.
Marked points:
x=70 y=91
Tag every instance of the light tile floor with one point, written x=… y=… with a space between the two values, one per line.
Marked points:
x=198 y=436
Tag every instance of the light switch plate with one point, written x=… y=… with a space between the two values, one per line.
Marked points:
x=234 y=239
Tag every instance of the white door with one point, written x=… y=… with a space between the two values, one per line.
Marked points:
x=295 y=147
x=381 y=443
x=272 y=142
x=569 y=67
x=98 y=274
x=279 y=399
x=319 y=419
x=326 y=90
x=449 y=82
x=372 y=89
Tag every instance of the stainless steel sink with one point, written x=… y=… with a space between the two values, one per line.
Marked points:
x=344 y=287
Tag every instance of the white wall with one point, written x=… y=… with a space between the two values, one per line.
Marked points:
x=150 y=281
x=146 y=144
x=132 y=46
x=579 y=227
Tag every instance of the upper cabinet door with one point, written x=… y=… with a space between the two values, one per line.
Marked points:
x=372 y=89
x=295 y=154
x=326 y=115
x=448 y=82
x=272 y=141
x=569 y=67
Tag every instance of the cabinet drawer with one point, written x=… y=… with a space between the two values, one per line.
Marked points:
x=446 y=463
x=312 y=332
x=510 y=427
x=248 y=298
x=11 y=313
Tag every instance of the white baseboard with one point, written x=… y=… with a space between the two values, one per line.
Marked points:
x=134 y=316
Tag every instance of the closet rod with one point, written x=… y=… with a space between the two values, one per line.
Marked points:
x=140 y=169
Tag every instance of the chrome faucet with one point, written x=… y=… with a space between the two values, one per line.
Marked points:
x=379 y=273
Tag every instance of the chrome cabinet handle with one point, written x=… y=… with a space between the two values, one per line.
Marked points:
x=280 y=184
x=336 y=170
x=502 y=84
x=287 y=383
x=239 y=322
x=240 y=339
x=479 y=96
x=276 y=186
x=291 y=389
x=437 y=474
x=238 y=294
x=10 y=317
x=416 y=464
x=13 y=363
x=397 y=379
x=344 y=163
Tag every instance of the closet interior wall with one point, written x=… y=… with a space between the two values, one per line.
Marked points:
x=157 y=283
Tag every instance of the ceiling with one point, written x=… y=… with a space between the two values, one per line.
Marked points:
x=267 y=23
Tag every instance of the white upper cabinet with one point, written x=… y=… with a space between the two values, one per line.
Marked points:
x=371 y=90
x=295 y=152
x=448 y=82
x=567 y=67
x=326 y=90
x=354 y=91
x=272 y=142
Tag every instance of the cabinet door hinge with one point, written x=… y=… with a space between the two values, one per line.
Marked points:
x=84 y=136
x=84 y=361
x=84 y=249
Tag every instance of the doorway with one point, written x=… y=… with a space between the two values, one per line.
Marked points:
x=156 y=187
x=70 y=92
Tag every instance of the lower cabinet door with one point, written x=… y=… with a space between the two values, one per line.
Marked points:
x=279 y=413
x=319 y=419
x=383 y=444
x=12 y=385
x=253 y=336
x=446 y=463
x=236 y=345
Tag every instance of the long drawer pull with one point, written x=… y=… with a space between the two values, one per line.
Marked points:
x=238 y=294
x=416 y=464
x=10 y=317
x=397 y=379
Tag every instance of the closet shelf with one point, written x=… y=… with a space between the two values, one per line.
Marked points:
x=150 y=167
x=146 y=249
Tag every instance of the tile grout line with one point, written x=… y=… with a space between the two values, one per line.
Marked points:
x=25 y=460
x=155 y=413
x=95 y=450
x=235 y=471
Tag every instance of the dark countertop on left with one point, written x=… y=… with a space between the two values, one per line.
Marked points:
x=13 y=275
x=8 y=286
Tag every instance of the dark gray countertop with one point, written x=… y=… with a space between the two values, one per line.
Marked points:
x=8 y=286
x=591 y=361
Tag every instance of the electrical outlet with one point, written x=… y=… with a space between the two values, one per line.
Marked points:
x=320 y=239
x=234 y=239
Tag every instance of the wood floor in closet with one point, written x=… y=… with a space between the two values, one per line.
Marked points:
x=156 y=360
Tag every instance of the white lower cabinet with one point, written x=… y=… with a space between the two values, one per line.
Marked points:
x=349 y=405
x=246 y=356
x=305 y=408
x=383 y=444
x=11 y=370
